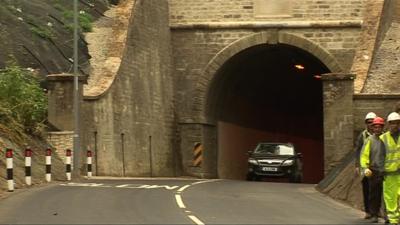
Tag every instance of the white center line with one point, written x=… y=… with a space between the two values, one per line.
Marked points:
x=179 y=201
x=196 y=220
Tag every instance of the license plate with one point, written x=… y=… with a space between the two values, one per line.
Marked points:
x=269 y=169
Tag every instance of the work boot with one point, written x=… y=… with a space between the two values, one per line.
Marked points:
x=374 y=219
x=367 y=216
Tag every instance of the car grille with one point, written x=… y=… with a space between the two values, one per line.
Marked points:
x=269 y=162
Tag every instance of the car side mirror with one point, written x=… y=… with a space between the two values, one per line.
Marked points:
x=299 y=155
x=249 y=152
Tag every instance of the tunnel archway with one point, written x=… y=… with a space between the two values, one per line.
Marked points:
x=268 y=92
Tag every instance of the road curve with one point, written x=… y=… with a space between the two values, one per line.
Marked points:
x=174 y=201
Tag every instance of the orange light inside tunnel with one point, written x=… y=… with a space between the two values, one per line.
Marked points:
x=318 y=77
x=299 y=67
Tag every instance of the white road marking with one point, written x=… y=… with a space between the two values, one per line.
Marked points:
x=206 y=181
x=162 y=186
x=138 y=187
x=178 y=196
x=144 y=178
x=84 y=185
x=144 y=186
x=183 y=188
x=179 y=201
x=196 y=220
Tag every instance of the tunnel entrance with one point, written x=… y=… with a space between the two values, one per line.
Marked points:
x=269 y=93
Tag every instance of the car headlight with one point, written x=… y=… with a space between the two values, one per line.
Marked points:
x=288 y=163
x=253 y=161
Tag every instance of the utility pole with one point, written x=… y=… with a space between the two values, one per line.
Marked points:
x=76 y=138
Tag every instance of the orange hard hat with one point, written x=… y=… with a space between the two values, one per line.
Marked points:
x=378 y=121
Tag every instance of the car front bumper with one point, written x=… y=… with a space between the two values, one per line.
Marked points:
x=271 y=171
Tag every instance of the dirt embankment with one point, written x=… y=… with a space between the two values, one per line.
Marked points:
x=18 y=141
x=106 y=46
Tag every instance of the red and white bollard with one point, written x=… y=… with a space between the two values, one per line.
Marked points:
x=10 y=179
x=48 y=165
x=89 y=163
x=68 y=163
x=28 y=164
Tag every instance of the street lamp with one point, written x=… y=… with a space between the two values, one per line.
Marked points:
x=76 y=139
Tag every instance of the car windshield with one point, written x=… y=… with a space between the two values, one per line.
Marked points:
x=274 y=149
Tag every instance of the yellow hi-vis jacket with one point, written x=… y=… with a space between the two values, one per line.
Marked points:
x=392 y=147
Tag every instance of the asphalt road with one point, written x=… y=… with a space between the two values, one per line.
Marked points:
x=174 y=201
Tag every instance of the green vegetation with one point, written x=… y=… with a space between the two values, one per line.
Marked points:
x=23 y=102
x=85 y=20
x=42 y=32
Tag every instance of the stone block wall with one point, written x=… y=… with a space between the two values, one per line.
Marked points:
x=338 y=118
x=131 y=126
x=61 y=141
x=192 y=11
x=201 y=30
x=340 y=43
x=204 y=134
x=205 y=30
x=194 y=49
x=61 y=100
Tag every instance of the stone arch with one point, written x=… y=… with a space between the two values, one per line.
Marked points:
x=203 y=85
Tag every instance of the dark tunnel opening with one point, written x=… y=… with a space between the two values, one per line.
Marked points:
x=269 y=93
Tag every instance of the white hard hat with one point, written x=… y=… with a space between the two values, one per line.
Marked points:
x=393 y=116
x=370 y=115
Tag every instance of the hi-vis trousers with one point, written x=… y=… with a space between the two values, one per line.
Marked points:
x=391 y=193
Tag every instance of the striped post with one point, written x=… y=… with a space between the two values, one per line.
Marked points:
x=48 y=165
x=28 y=164
x=10 y=179
x=89 y=163
x=68 y=163
x=197 y=155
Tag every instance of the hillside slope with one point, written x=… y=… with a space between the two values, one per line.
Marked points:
x=38 y=33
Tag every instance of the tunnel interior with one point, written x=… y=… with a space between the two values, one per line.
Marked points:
x=268 y=93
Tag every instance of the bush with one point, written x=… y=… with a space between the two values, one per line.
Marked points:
x=42 y=32
x=21 y=98
x=85 y=20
